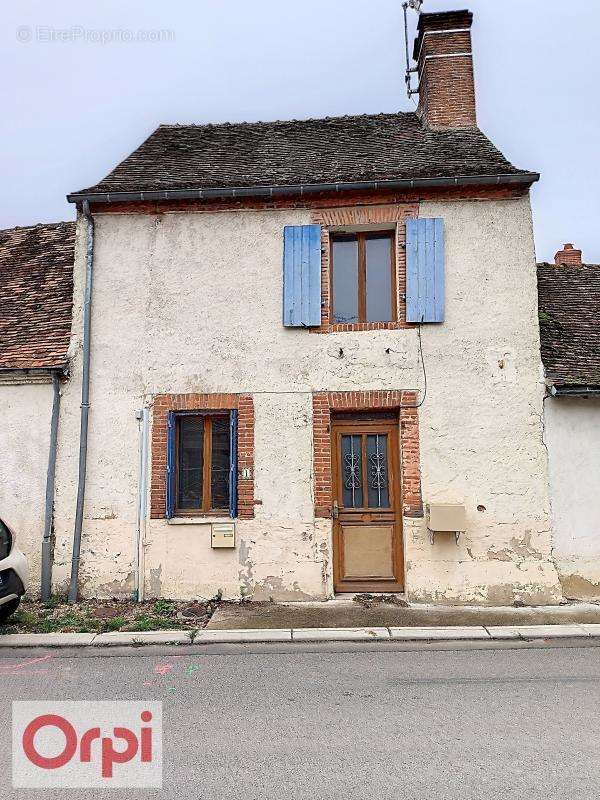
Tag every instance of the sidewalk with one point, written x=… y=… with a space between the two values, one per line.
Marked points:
x=345 y=620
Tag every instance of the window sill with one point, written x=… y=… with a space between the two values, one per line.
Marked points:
x=208 y=520
x=343 y=327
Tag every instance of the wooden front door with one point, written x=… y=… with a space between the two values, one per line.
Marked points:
x=367 y=532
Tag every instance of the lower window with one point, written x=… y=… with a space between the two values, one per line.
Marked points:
x=201 y=469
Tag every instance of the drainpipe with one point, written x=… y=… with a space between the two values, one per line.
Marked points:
x=143 y=417
x=85 y=402
x=48 y=540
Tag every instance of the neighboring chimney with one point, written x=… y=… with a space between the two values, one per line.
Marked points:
x=568 y=256
x=443 y=53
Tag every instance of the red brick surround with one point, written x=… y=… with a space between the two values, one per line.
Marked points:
x=353 y=216
x=164 y=403
x=410 y=471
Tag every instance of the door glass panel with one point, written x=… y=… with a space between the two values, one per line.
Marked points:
x=377 y=471
x=352 y=493
x=220 y=463
x=191 y=455
x=345 y=280
x=379 y=279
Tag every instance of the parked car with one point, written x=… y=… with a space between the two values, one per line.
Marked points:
x=14 y=573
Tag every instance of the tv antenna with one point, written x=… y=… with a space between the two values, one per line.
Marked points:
x=416 y=5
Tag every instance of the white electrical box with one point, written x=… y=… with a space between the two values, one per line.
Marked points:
x=223 y=534
x=446 y=518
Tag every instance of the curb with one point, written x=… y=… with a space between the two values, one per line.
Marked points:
x=213 y=636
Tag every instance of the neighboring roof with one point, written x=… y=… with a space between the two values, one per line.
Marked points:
x=304 y=153
x=36 y=295
x=569 y=310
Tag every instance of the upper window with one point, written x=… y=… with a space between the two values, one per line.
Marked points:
x=202 y=458
x=363 y=277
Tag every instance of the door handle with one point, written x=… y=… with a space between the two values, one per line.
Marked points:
x=335 y=510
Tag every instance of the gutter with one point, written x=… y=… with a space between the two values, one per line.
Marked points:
x=85 y=403
x=36 y=371
x=48 y=540
x=574 y=391
x=520 y=178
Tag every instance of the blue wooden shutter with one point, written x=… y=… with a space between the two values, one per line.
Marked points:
x=301 y=276
x=170 y=465
x=425 y=279
x=233 y=427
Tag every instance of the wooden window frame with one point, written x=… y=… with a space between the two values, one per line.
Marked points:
x=361 y=237
x=206 y=509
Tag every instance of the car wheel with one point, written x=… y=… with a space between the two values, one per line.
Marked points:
x=8 y=608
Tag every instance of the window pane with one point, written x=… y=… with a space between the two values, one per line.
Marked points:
x=345 y=280
x=190 y=460
x=352 y=493
x=220 y=463
x=377 y=476
x=379 y=279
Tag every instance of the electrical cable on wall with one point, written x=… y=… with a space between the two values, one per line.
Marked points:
x=422 y=358
x=423 y=366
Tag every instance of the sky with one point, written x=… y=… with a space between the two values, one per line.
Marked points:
x=85 y=83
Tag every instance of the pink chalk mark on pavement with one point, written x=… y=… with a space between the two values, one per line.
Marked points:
x=28 y=663
x=18 y=669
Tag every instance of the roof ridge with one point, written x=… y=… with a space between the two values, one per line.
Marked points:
x=46 y=225
x=294 y=120
x=569 y=267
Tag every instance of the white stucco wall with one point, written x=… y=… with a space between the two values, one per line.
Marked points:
x=480 y=429
x=25 y=412
x=191 y=302
x=573 y=440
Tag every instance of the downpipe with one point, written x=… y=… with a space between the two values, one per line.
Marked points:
x=85 y=403
x=48 y=539
x=143 y=418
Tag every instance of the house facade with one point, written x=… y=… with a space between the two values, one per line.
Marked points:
x=569 y=303
x=36 y=297
x=313 y=361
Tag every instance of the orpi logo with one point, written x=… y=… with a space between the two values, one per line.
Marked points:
x=75 y=745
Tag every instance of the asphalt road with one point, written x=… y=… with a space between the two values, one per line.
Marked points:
x=345 y=721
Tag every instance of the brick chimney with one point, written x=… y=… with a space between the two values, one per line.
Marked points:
x=568 y=256
x=443 y=53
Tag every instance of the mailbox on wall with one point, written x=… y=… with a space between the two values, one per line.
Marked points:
x=223 y=534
